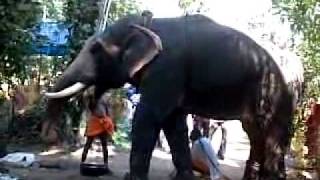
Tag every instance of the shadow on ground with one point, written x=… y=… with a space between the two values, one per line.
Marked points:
x=69 y=168
x=161 y=164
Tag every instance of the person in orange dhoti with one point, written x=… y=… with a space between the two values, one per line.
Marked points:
x=99 y=125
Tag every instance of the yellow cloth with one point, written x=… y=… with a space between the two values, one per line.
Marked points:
x=98 y=125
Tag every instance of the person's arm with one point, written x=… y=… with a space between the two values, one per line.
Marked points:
x=101 y=108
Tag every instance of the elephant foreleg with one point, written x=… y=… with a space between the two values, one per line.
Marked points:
x=145 y=131
x=176 y=132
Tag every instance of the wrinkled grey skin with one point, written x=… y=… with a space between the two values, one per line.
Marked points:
x=203 y=68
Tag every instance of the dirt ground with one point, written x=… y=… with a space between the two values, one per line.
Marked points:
x=161 y=165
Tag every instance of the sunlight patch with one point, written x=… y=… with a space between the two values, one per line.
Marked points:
x=229 y=163
x=161 y=155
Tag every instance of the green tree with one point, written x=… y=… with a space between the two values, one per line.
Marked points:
x=192 y=6
x=16 y=18
x=120 y=8
x=83 y=16
x=53 y=9
x=304 y=17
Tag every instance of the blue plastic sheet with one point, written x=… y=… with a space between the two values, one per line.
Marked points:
x=50 y=38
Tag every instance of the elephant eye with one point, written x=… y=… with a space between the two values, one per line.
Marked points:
x=96 y=47
x=99 y=54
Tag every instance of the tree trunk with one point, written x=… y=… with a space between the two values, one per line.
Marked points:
x=313 y=127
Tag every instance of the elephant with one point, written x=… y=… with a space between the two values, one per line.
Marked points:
x=186 y=65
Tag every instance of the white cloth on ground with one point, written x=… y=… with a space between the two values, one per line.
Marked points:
x=19 y=158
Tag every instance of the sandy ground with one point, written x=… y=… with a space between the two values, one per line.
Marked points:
x=161 y=165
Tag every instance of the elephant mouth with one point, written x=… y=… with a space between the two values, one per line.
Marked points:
x=67 y=92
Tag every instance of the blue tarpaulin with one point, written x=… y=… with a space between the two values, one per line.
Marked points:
x=50 y=38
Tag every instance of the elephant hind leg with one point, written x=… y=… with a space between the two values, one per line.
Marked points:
x=276 y=145
x=256 y=157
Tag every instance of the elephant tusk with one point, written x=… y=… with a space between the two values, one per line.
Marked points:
x=67 y=91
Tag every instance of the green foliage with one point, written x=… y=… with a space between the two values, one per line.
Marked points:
x=298 y=140
x=118 y=113
x=2 y=98
x=304 y=17
x=15 y=19
x=120 y=8
x=27 y=125
x=191 y=6
x=121 y=138
x=185 y=4
x=82 y=15
x=54 y=9
x=71 y=120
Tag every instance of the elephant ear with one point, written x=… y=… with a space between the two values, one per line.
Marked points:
x=141 y=46
x=141 y=49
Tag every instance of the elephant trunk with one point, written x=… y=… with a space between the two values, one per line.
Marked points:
x=54 y=111
x=73 y=80
x=57 y=98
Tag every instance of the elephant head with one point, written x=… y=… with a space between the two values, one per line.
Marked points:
x=107 y=60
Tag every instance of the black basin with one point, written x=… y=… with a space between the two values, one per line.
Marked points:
x=93 y=169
